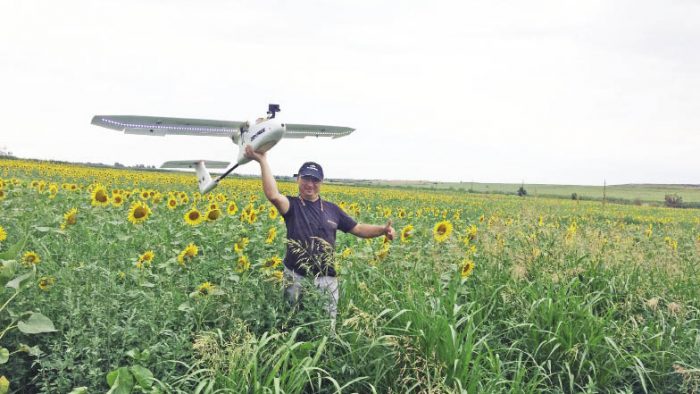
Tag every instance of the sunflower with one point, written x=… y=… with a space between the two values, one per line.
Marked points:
x=205 y=288
x=99 y=196
x=147 y=257
x=69 y=218
x=184 y=199
x=3 y=234
x=406 y=233
x=139 y=212
x=402 y=213
x=467 y=268
x=117 y=200
x=243 y=264
x=46 y=281
x=442 y=231
x=53 y=190
x=145 y=195
x=272 y=263
x=272 y=213
x=240 y=245
x=220 y=197
x=271 y=235
x=472 y=232
x=213 y=213
x=276 y=276
x=157 y=198
x=193 y=217
x=172 y=203
x=232 y=208
x=252 y=217
x=188 y=253
x=31 y=258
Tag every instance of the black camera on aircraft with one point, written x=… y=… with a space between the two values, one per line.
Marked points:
x=272 y=109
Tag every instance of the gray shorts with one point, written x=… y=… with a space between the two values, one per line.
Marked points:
x=327 y=285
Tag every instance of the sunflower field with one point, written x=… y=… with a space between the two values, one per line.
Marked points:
x=131 y=281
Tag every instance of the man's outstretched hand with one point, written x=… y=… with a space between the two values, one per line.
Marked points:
x=389 y=231
x=253 y=155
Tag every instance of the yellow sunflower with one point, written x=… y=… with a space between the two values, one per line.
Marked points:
x=205 y=288
x=272 y=213
x=467 y=268
x=117 y=200
x=193 y=217
x=145 y=259
x=272 y=263
x=213 y=213
x=276 y=276
x=472 y=232
x=187 y=254
x=172 y=203
x=271 y=235
x=406 y=233
x=45 y=282
x=69 y=218
x=402 y=213
x=31 y=258
x=232 y=208
x=53 y=190
x=243 y=264
x=3 y=234
x=240 y=245
x=442 y=231
x=139 y=212
x=99 y=196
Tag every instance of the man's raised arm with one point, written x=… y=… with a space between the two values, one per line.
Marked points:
x=280 y=201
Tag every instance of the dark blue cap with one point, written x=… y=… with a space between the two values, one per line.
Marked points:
x=311 y=169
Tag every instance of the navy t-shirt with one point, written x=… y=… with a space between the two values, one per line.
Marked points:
x=311 y=228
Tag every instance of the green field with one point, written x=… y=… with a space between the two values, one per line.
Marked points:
x=112 y=283
x=645 y=193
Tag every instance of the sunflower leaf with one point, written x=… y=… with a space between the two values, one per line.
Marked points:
x=4 y=355
x=36 y=324
x=19 y=281
x=13 y=250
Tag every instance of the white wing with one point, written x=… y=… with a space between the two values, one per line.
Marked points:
x=193 y=164
x=154 y=125
x=310 y=130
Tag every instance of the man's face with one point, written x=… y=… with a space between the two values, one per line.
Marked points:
x=309 y=187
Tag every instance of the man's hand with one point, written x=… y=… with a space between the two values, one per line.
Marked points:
x=389 y=231
x=253 y=155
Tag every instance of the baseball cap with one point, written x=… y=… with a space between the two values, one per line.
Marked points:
x=311 y=169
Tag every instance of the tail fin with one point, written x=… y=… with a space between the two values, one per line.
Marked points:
x=204 y=179
x=206 y=184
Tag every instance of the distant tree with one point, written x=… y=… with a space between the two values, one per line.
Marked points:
x=522 y=192
x=574 y=196
x=673 y=200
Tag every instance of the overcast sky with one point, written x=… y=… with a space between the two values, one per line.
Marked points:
x=570 y=92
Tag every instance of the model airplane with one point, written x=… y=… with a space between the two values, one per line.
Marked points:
x=262 y=134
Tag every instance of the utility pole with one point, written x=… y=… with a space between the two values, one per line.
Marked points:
x=605 y=184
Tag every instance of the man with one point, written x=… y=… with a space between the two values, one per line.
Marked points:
x=311 y=228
